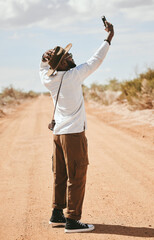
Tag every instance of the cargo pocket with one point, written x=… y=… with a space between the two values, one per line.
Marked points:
x=85 y=160
x=82 y=164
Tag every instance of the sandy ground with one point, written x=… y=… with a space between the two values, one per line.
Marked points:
x=119 y=198
x=139 y=123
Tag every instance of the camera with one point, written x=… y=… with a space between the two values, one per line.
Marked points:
x=104 y=20
x=52 y=125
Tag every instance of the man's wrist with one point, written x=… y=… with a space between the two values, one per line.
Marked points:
x=107 y=41
x=110 y=36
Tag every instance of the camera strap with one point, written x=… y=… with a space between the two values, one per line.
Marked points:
x=57 y=96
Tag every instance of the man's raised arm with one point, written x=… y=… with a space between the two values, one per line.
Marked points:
x=95 y=61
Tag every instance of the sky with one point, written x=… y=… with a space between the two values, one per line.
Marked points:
x=30 y=27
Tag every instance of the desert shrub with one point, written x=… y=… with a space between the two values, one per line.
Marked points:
x=113 y=85
x=95 y=96
x=105 y=94
x=108 y=97
x=149 y=74
x=98 y=87
x=10 y=95
x=95 y=92
x=12 y=92
x=32 y=94
x=131 y=88
x=140 y=91
x=47 y=94
x=8 y=100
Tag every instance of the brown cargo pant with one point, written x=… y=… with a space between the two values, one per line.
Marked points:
x=70 y=160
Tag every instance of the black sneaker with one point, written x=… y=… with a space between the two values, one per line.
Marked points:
x=74 y=226
x=57 y=218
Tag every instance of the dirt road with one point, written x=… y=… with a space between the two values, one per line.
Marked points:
x=120 y=184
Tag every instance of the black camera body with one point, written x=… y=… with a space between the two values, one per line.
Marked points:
x=52 y=125
x=104 y=20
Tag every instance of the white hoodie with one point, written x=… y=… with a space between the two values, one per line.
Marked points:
x=70 y=114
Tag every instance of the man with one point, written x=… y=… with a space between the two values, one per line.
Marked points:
x=70 y=157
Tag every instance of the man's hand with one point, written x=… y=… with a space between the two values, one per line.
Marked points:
x=109 y=28
x=47 y=55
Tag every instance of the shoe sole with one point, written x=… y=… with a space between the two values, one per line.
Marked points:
x=79 y=230
x=57 y=224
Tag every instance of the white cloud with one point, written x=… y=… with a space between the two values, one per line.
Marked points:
x=141 y=13
x=53 y=13
x=132 y=4
x=131 y=45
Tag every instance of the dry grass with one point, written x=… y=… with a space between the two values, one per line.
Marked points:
x=11 y=96
x=139 y=93
x=47 y=94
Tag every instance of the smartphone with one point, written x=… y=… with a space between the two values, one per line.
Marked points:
x=104 y=19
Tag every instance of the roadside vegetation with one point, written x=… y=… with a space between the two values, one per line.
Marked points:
x=11 y=96
x=138 y=93
x=47 y=94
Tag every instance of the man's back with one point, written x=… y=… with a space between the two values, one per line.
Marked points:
x=70 y=114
